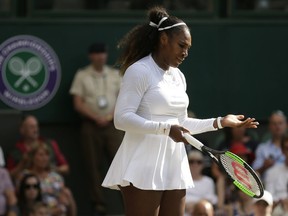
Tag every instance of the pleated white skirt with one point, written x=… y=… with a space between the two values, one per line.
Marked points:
x=149 y=162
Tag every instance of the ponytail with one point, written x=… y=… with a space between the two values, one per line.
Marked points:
x=143 y=39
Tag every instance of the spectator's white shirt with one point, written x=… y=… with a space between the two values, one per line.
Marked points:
x=204 y=189
x=276 y=181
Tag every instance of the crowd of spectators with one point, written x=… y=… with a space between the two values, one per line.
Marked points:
x=267 y=154
x=32 y=179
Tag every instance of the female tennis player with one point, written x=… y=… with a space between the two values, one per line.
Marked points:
x=151 y=166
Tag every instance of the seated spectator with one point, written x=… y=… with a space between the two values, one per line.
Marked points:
x=276 y=181
x=203 y=208
x=269 y=153
x=263 y=206
x=29 y=193
x=8 y=200
x=39 y=209
x=29 y=130
x=55 y=195
x=204 y=185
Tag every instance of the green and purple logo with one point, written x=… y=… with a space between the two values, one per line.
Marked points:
x=30 y=72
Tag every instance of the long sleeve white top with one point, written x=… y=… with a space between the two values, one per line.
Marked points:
x=151 y=100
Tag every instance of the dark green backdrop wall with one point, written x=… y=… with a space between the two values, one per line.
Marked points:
x=233 y=66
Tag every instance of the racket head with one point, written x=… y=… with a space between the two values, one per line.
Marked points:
x=242 y=175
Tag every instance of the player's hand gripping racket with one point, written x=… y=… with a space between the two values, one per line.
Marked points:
x=242 y=175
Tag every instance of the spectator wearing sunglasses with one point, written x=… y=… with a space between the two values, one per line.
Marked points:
x=29 y=193
x=55 y=194
x=204 y=185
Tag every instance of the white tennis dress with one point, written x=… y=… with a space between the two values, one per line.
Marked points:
x=149 y=100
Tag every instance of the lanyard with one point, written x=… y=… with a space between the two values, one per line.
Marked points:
x=101 y=84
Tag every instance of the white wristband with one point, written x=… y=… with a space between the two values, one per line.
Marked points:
x=164 y=128
x=219 y=125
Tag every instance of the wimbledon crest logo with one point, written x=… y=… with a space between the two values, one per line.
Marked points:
x=30 y=72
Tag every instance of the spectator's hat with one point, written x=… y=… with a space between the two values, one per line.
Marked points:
x=97 y=48
x=267 y=197
x=239 y=149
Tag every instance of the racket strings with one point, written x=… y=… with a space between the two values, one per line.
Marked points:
x=239 y=172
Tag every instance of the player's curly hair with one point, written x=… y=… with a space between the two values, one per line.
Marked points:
x=143 y=39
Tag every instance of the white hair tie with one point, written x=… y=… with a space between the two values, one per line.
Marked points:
x=157 y=25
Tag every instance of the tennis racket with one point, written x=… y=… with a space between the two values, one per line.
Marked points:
x=242 y=175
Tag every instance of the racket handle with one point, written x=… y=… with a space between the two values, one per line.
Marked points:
x=194 y=142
